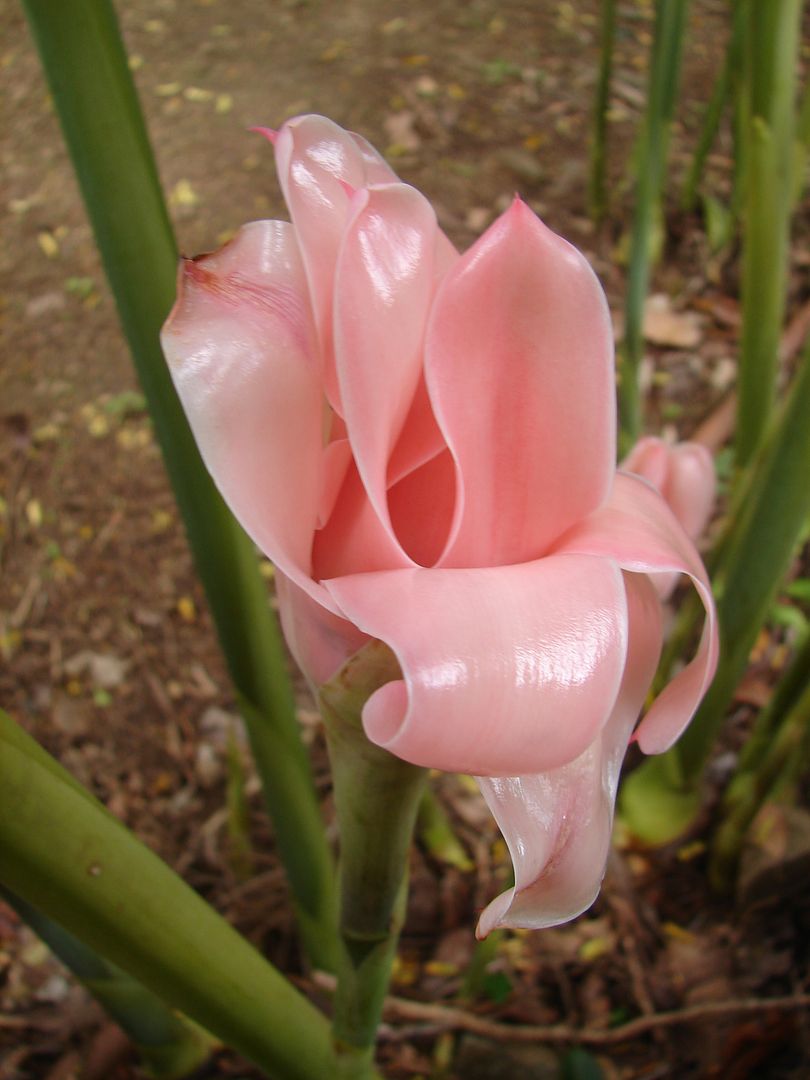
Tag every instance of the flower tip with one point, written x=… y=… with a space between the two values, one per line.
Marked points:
x=269 y=133
x=518 y=210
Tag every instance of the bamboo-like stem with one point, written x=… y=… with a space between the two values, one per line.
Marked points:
x=171 y=1046
x=65 y=855
x=92 y=87
x=665 y=64
x=756 y=556
x=376 y=798
x=597 y=193
x=714 y=110
x=771 y=42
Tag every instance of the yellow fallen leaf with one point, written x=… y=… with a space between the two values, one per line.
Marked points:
x=98 y=427
x=33 y=512
x=186 y=609
x=198 y=94
x=48 y=244
x=183 y=194
x=161 y=520
x=593 y=949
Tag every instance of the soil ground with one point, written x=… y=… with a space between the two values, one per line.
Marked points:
x=106 y=648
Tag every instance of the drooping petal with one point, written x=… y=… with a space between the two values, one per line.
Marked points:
x=637 y=529
x=557 y=825
x=318 y=165
x=683 y=473
x=319 y=641
x=506 y=669
x=240 y=347
x=519 y=369
x=383 y=290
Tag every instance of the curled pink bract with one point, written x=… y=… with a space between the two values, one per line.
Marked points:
x=423 y=442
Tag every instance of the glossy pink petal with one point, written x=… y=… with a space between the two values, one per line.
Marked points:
x=354 y=540
x=557 y=825
x=683 y=473
x=519 y=369
x=240 y=347
x=319 y=165
x=422 y=505
x=637 y=529
x=383 y=291
x=335 y=463
x=506 y=669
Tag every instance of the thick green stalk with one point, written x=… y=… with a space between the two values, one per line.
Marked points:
x=597 y=195
x=376 y=797
x=771 y=43
x=171 y=1046
x=65 y=855
x=95 y=97
x=665 y=65
x=659 y=800
x=714 y=110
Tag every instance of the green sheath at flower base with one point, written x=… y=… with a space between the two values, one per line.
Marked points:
x=65 y=855
x=170 y=1046
x=93 y=91
x=377 y=798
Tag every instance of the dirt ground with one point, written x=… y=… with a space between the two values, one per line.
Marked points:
x=106 y=648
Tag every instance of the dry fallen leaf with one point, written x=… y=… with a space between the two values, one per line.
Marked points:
x=673 y=329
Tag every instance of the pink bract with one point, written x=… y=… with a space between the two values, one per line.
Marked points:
x=683 y=473
x=424 y=443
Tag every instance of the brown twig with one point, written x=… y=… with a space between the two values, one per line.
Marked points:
x=446 y=1018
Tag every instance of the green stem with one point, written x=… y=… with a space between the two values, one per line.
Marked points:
x=769 y=759
x=665 y=63
x=171 y=1046
x=437 y=834
x=62 y=853
x=770 y=63
x=597 y=196
x=92 y=87
x=714 y=111
x=472 y=986
x=756 y=555
x=376 y=797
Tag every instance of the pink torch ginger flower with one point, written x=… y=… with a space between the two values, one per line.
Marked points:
x=683 y=473
x=423 y=443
